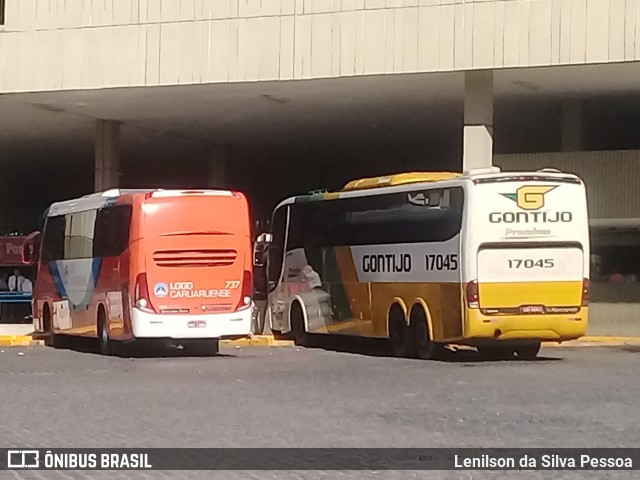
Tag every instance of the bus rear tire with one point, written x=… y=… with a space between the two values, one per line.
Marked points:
x=50 y=338
x=300 y=335
x=425 y=348
x=106 y=344
x=400 y=336
x=528 y=352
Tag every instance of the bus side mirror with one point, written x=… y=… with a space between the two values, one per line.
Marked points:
x=260 y=248
x=31 y=249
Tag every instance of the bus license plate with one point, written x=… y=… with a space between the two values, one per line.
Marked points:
x=197 y=324
x=532 y=309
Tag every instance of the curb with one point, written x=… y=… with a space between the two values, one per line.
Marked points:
x=18 y=341
x=271 y=341
x=257 y=341
x=589 y=341
x=596 y=341
x=254 y=341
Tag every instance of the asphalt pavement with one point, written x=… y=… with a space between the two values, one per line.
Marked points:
x=295 y=397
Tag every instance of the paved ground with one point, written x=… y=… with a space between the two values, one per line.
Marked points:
x=284 y=397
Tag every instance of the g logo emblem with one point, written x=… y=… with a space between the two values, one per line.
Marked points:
x=530 y=197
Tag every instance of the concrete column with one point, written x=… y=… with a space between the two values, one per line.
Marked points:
x=217 y=157
x=572 y=126
x=477 y=149
x=107 y=155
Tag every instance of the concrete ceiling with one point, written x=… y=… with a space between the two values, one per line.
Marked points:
x=271 y=115
x=281 y=117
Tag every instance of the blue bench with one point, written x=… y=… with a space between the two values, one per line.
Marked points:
x=15 y=297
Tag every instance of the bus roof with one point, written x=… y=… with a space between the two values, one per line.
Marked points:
x=399 y=179
x=406 y=181
x=102 y=199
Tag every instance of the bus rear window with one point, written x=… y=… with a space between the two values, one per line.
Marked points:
x=195 y=215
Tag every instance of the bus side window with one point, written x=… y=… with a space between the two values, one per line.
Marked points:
x=112 y=231
x=422 y=216
x=79 y=233
x=276 y=248
x=306 y=227
x=53 y=239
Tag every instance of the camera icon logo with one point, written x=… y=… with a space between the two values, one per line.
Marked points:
x=18 y=459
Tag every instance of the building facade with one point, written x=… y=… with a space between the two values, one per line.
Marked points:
x=285 y=93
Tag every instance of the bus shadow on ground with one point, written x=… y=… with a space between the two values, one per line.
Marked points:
x=374 y=347
x=631 y=348
x=91 y=346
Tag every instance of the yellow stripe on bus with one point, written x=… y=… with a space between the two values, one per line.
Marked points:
x=513 y=295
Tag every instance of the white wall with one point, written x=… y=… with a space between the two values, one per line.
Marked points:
x=611 y=177
x=75 y=44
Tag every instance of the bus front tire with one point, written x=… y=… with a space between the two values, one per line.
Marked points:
x=300 y=335
x=400 y=336
x=528 y=352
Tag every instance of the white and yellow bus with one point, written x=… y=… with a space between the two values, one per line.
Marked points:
x=498 y=261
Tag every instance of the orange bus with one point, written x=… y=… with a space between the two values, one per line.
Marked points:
x=166 y=265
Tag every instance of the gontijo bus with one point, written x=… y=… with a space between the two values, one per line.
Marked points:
x=499 y=261
x=122 y=265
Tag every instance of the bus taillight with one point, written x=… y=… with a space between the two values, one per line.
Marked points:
x=585 y=292
x=141 y=295
x=473 y=298
x=247 y=290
